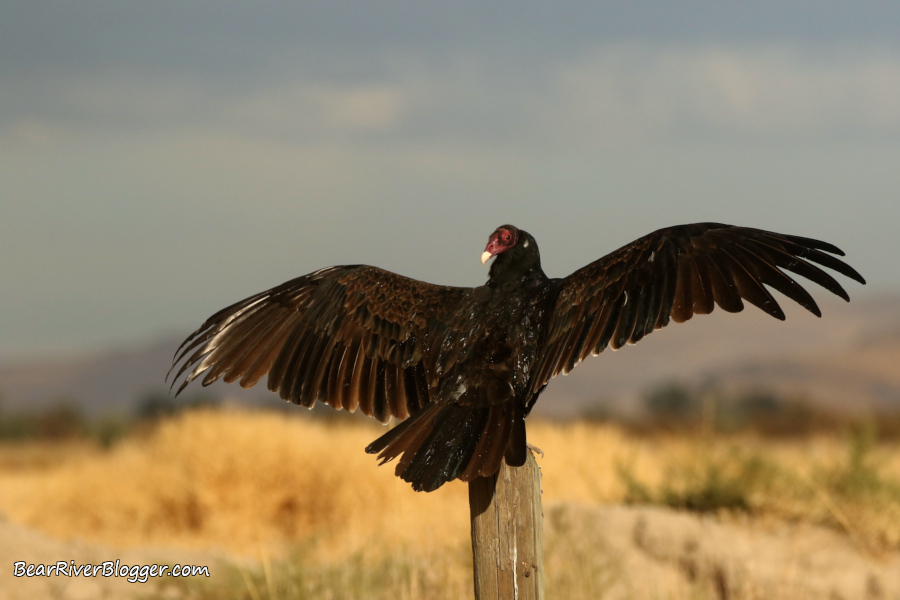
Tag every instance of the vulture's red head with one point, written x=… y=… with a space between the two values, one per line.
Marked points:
x=503 y=238
x=517 y=256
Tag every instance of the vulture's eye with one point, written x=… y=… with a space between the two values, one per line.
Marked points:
x=506 y=237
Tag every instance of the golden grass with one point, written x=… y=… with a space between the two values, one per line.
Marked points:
x=234 y=480
x=241 y=480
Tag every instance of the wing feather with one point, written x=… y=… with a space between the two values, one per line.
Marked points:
x=676 y=273
x=333 y=393
x=627 y=318
x=280 y=367
x=770 y=275
x=353 y=336
x=316 y=373
x=701 y=289
x=640 y=324
x=603 y=327
x=797 y=247
x=611 y=322
x=669 y=267
x=683 y=305
x=351 y=371
x=750 y=287
x=785 y=260
x=365 y=388
x=723 y=289
x=380 y=409
x=268 y=352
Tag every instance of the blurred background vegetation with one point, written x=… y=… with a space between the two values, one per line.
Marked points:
x=671 y=406
x=296 y=509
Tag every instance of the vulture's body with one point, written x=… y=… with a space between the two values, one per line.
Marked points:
x=466 y=365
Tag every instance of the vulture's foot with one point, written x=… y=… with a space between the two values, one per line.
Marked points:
x=534 y=448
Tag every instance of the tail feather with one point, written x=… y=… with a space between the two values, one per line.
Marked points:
x=493 y=426
x=494 y=443
x=447 y=441
x=447 y=451
x=399 y=439
x=496 y=436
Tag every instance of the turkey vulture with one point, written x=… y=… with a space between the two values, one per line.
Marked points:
x=462 y=367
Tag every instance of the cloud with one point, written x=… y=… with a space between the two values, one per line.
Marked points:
x=611 y=94
x=772 y=91
x=321 y=107
x=32 y=133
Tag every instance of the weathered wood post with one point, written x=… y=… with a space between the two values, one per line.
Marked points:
x=508 y=533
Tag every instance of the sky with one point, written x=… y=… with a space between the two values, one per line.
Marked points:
x=161 y=160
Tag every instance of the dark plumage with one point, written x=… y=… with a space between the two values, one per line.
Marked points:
x=467 y=364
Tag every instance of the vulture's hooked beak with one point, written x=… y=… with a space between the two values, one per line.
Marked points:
x=492 y=248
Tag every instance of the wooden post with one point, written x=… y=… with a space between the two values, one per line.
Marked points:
x=508 y=533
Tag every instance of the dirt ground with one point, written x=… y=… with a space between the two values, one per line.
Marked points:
x=645 y=552
x=661 y=553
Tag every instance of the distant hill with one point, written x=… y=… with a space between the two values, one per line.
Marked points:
x=113 y=381
x=849 y=360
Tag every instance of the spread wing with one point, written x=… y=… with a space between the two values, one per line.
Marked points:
x=351 y=336
x=675 y=273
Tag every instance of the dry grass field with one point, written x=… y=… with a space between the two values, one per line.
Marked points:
x=302 y=511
